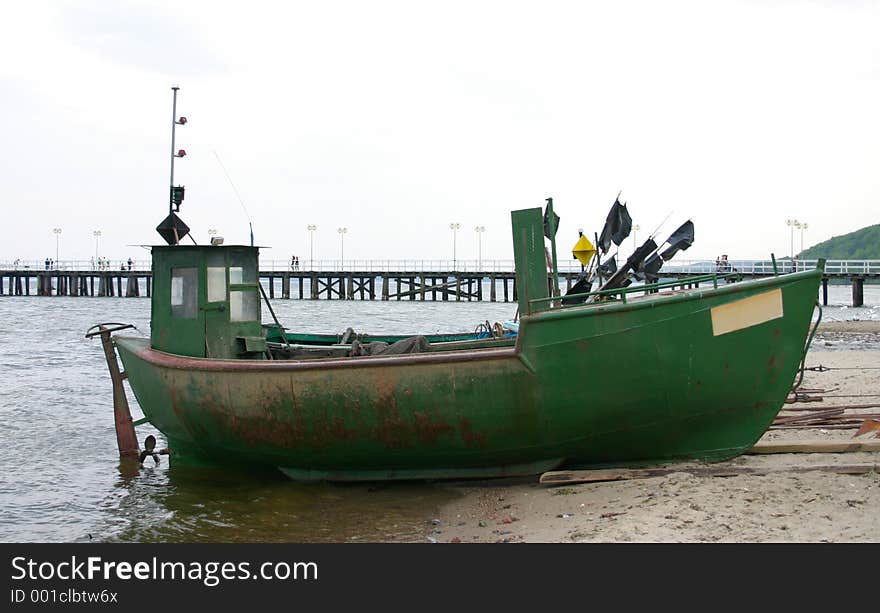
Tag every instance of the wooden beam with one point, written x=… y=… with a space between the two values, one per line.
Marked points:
x=816 y=447
x=560 y=477
x=411 y=292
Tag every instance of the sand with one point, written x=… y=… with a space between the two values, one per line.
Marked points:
x=779 y=507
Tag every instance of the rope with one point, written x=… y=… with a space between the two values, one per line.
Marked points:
x=821 y=368
x=807 y=348
x=851 y=395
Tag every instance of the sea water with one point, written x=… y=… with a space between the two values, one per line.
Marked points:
x=60 y=478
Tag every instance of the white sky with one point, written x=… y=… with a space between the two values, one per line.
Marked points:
x=395 y=119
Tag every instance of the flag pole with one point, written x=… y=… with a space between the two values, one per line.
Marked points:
x=552 y=222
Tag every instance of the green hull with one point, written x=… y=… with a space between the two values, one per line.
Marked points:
x=698 y=374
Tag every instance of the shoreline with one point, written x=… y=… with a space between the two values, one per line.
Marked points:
x=680 y=507
x=850 y=326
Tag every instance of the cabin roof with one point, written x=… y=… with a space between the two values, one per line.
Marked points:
x=223 y=246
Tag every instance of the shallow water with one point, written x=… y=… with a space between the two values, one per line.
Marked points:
x=60 y=477
x=61 y=481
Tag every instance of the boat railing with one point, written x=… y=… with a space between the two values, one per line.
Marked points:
x=556 y=301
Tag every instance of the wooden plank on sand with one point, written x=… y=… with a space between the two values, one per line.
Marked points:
x=816 y=447
x=559 y=477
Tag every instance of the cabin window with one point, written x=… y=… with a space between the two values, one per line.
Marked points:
x=244 y=305
x=238 y=275
x=216 y=284
x=184 y=292
x=244 y=302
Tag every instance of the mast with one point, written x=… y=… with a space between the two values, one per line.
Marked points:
x=175 y=194
x=174 y=88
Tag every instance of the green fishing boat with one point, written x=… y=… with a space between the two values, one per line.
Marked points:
x=625 y=375
x=633 y=378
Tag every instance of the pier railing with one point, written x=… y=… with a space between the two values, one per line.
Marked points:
x=393 y=279
x=833 y=268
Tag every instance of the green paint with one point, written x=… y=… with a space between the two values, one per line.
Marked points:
x=529 y=257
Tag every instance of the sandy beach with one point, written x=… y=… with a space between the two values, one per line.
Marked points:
x=680 y=507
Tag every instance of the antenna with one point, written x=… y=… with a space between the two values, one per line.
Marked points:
x=237 y=195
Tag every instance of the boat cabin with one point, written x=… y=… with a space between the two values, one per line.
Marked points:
x=206 y=301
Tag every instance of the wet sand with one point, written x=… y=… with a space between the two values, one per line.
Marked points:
x=680 y=507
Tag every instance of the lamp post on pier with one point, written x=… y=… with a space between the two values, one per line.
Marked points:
x=454 y=227
x=479 y=230
x=57 y=233
x=311 y=228
x=636 y=228
x=342 y=232
x=97 y=235
x=791 y=223
x=802 y=226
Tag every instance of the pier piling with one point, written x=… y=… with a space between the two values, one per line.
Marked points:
x=858 y=291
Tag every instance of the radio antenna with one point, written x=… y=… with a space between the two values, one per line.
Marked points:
x=237 y=195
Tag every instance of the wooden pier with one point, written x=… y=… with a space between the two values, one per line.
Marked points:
x=390 y=286
x=285 y=285
x=122 y=283
x=328 y=285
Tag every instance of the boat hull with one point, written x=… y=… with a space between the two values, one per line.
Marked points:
x=692 y=375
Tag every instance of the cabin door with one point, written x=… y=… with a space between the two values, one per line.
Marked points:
x=218 y=341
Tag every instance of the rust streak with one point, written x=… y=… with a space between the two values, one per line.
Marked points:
x=470 y=438
x=427 y=430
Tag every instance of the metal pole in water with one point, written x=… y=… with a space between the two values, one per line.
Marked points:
x=126 y=439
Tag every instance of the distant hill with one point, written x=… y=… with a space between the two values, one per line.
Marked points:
x=862 y=244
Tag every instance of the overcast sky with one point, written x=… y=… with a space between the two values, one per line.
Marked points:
x=396 y=119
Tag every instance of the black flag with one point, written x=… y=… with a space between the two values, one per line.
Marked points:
x=680 y=240
x=581 y=286
x=547 y=221
x=651 y=267
x=608 y=268
x=618 y=225
x=633 y=262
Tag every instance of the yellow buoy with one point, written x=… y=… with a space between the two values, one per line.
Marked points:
x=583 y=250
